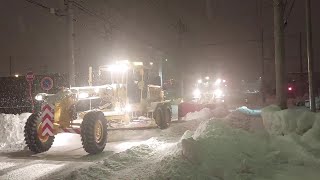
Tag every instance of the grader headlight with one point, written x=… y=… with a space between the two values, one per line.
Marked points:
x=83 y=95
x=40 y=96
x=128 y=108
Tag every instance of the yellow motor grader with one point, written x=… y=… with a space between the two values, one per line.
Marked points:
x=129 y=99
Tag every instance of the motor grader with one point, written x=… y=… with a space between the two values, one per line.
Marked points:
x=128 y=100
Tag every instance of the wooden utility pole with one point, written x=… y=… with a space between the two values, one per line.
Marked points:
x=10 y=65
x=310 y=56
x=281 y=80
x=263 y=91
x=70 y=44
x=301 y=79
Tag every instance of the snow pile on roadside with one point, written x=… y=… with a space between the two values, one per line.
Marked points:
x=12 y=131
x=220 y=112
x=248 y=111
x=202 y=114
x=300 y=123
x=312 y=136
x=240 y=120
x=218 y=151
x=282 y=122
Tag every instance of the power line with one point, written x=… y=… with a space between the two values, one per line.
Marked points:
x=38 y=4
x=290 y=10
x=90 y=12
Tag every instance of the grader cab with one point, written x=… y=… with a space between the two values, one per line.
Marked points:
x=129 y=99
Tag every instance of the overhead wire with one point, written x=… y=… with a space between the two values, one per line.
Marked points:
x=90 y=12
x=38 y=4
x=43 y=7
x=289 y=13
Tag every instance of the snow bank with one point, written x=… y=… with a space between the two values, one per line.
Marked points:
x=202 y=114
x=206 y=113
x=222 y=149
x=218 y=151
x=220 y=112
x=282 y=122
x=248 y=111
x=240 y=120
x=12 y=131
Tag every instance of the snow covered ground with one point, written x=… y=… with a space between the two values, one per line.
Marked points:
x=11 y=131
x=211 y=144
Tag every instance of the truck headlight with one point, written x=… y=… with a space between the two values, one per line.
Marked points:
x=218 y=93
x=197 y=93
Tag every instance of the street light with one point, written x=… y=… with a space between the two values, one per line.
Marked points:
x=200 y=81
x=207 y=78
x=16 y=75
x=151 y=63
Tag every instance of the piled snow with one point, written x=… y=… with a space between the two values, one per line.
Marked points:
x=248 y=111
x=12 y=131
x=202 y=114
x=312 y=137
x=230 y=148
x=220 y=112
x=240 y=120
x=217 y=151
x=288 y=121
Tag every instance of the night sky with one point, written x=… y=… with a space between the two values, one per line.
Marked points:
x=220 y=36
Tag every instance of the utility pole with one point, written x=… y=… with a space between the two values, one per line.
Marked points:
x=300 y=53
x=70 y=44
x=209 y=9
x=182 y=28
x=310 y=56
x=301 y=81
x=160 y=71
x=10 y=65
x=263 y=92
x=281 y=84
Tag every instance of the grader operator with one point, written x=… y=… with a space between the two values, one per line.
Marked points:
x=128 y=100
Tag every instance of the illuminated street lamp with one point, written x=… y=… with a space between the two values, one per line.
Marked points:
x=151 y=63
x=207 y=78
x=200 y=81
x=16 y=75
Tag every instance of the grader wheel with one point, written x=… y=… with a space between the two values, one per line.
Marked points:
x=162 y=117
x=33 y=135
x=167 y=116
x=94 y=132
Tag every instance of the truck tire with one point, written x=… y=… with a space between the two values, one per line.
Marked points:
x=94 y=132
x=33 y=135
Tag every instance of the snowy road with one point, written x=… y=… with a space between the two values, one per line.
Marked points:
x=67 y=154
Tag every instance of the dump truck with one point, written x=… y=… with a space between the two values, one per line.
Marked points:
x=128 y=100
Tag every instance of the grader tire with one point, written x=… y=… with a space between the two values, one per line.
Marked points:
x=161 y=119
x=167 y=117
x=32 y=134
x=94 y=132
